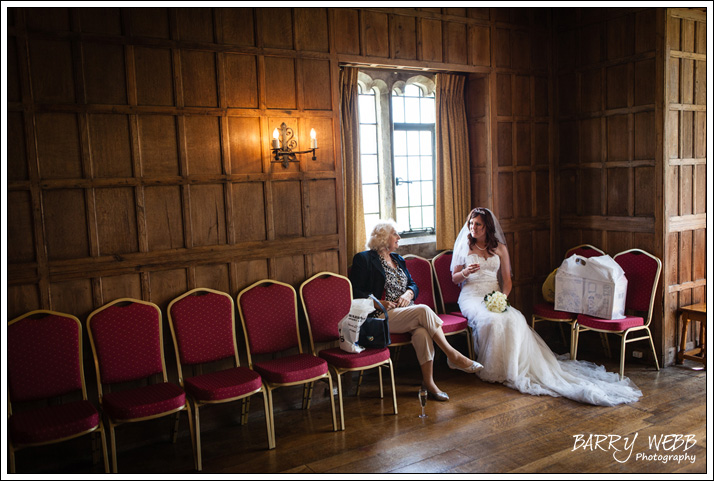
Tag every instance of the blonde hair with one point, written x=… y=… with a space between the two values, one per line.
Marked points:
x=379 y=238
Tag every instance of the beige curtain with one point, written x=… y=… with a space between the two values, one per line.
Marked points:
x=453 y=182
x=354 y=209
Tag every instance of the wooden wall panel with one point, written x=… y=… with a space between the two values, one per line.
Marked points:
x=158 y=144
x=20 y=235
x=242 y=90
x=321 y=202
x=325 y=155
x=198 y=77
x=312 y=29
x=150 y=22
x=214 y=276
x=110 y=145
x=52 y=71
x=432 y=40
x=290 y=269
x=456 y=43
x=249 y=211
x=237 y=26
x=116 y=287
x=208 y=216
x=116 y=221
x=376 y=34
x=154 y=76
x=104 y=74
x=58 y=148
x=21 y=299
x=73 y=296
x=203 y=145
x=105 y=20
x=65 y=221
x=16 y=151
x=317 y=83
x=167 y=285
x=347 y=28
x=280 y=91
x=287 y=202
x=164 y=219
x=195 y=24
x=276 y=25
x=245 y=145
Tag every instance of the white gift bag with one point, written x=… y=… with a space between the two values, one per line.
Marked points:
x=595 y=286
x=348 y=327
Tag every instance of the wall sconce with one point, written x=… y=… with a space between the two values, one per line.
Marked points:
x=283 y=143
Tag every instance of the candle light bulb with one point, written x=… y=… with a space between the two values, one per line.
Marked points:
x=313 y=139
x=276 y=142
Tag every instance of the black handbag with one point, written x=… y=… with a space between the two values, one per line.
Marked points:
x=374 y=332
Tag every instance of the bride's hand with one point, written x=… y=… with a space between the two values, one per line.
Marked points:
x=470 y=269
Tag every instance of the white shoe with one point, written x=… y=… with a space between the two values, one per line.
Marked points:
x=472 y=369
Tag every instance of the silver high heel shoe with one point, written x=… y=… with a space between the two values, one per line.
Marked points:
x=436 y=396
x=472 y=369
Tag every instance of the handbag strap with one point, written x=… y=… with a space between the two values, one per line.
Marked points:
x=386 y=315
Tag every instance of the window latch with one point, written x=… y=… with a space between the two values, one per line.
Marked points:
x=400 y=181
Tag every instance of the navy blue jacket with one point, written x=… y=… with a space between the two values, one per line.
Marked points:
x=367 y=275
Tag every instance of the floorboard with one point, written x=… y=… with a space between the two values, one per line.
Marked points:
x=484 y=428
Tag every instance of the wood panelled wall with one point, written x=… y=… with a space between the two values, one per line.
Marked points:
x=139 y=163
x=509 y=115
x=138 y=141
x=685 y=168
x=609 y=162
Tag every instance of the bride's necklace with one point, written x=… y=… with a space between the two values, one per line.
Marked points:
x=480 y=248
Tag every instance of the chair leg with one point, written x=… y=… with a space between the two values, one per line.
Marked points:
x=575 y=333
x=381 y=387
x=113 y=444
x=196 y=441
x=245 y=410
x=175 y=427
x=307 y=394
x=103 y=440
x=268 y=420
x=654 y=353
x=270 y=410
x=332 y=403
x=470 y=344
x=606 y=344
x=394 y=390
x=359 y=382
x=339 y=398
x=623 y=344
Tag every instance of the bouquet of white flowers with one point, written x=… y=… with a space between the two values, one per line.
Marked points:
x=496 y=301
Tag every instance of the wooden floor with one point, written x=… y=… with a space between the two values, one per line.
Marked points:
x=485 y=428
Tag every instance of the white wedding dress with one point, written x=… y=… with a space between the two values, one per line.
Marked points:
x=515 y=355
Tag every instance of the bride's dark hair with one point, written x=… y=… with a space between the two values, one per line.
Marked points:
x=491 y=241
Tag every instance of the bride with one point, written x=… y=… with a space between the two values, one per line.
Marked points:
x=511 y=352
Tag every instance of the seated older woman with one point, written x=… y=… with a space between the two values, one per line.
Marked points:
x=379 y=270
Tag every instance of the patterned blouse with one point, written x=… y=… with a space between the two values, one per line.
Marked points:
x=396 y=282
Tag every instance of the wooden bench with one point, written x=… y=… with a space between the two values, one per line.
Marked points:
x=697 y=313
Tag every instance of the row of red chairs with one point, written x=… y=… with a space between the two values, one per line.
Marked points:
x=642 y=271
x=45 y=360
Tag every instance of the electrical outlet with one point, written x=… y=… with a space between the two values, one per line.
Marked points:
x=637 y=354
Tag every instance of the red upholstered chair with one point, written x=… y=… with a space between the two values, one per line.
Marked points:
x=202 y=323
x=45 y=362
x=448 y=291
x=128 y=347
x=642 y=271
x=326 y=298
x=268 y=312
x=421 y=272
x=545 y=311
